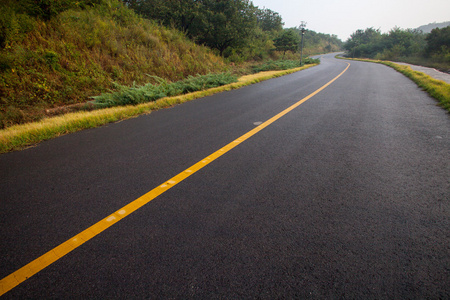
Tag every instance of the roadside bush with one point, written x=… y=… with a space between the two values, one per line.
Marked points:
x=133 y=95
x=272 y=65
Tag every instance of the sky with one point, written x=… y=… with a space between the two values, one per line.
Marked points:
x=343 y=17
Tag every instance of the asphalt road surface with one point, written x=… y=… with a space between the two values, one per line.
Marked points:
x=346 y=196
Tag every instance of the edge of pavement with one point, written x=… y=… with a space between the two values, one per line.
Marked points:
x=436 y=88
x=19 y=137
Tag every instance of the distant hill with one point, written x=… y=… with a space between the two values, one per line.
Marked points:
x=431 y=26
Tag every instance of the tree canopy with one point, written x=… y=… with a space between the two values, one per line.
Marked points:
x=438 y=41
x=287 y=41
x=371 y=43
x=219 y=24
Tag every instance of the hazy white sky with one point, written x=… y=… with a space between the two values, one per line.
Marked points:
x=343 y=17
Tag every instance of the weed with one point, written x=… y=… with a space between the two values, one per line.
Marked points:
x=51 y=58
x=150 y=92
x=282 y=64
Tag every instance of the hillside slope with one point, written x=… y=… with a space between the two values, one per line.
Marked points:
x=431 y=26
x=64 y=58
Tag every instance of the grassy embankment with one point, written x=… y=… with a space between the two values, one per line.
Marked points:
x=52 y=66
x=437 y=89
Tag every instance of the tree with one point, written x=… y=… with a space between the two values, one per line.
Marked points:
x=393 y=45
x=219 y=24
x=226 y=23
x=287 y=41
x=181 y=14
x=364 y=43
x=438 y=41
x=269 y=20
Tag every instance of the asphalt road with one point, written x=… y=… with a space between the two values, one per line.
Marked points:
x=346 y=196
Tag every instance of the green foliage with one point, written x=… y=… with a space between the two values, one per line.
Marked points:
x=287 y=41
x=269 y=20
x=150 y=92
x=258 y=47
x=80 y=51
x=272 y=65
x=51 y=58
x=408 y=45
x=229 y=26
x=20 y=136
x=364 y=43
x=226 y=23
x=47 y=9
x=316 y=42
x=438 y=42
x=181 y=14
x=237 y=29
x=397 y=43
x=55 y=54
x=13 y=25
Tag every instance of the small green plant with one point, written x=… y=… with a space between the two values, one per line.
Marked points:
x=150 y=92
x=273 y=65
x=51 y=58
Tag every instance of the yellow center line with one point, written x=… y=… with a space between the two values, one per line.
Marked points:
x=37 y=265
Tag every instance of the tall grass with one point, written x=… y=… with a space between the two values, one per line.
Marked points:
x=79 y=52
x=282 y=64
x=440 y=63
x=133 y=95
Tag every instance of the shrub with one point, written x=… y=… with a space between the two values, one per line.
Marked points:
x=282 y=64
x=150 y=92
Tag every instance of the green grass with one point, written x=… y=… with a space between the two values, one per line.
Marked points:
x=133 y=95
x=440 y=63
x=79 y=52
x=20 y=136
x=281 y=64
x=437 y=89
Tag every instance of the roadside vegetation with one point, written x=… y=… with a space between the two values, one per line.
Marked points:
x=68 y=63
x=409 y=45
x=271 y=65
x=56 y=55
x=20 y=136
x=60 y=53
x=132 y=95
x=235 y=29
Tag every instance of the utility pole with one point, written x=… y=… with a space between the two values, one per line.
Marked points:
x=302 y=29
